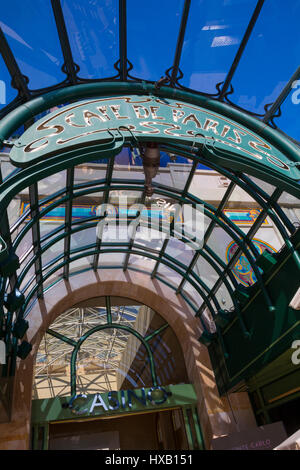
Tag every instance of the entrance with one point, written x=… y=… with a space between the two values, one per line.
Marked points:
x=147 y=431
x=169 y=423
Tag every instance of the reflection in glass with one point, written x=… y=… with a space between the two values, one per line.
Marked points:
x=31 y=32
x=270 y=58
x=213 y=35
x=93 y=33
x=152 y=27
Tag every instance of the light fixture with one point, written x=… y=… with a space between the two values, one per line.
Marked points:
x=24 y=349
x=10 y=264
x=14 y=300
x=151 y=161
x=20 y=328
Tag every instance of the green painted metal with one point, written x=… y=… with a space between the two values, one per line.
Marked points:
x=105 y=327
x=109 y=325
x=188 y=429
x=244 y=182
x=156 y=332
x=202 y=129
x=165 y=193
x=50 y=409
x=63 y=338
x=108 y=309
x=17 y=117
x=198 y=431
x=68 y=218
x=54 y=240
x=141 y=251
x=271 y=334
x=209 y=211
x=45 y=443
x=109 y=173
x=27 y=227
x=3 y=249
x=35 y=431
x=149 y=118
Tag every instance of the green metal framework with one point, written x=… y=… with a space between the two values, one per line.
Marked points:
x=145 y=340
x=12 y=281
x=123 y=66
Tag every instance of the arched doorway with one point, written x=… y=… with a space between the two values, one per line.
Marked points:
x=124 y=354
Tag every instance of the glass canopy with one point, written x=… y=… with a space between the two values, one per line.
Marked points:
x=244 y=52
x=239 y=52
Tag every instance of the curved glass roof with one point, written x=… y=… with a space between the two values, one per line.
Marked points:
x=244 y=52
x=240 y=52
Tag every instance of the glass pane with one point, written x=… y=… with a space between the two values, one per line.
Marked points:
x=141 y=262
x=208 y=185
x=25 y=245
x=149 y=238
x=224 y=298
x=206 y=272
x=219 y=242
x=93 y=33
x=179 y=251
x=194 y=297
x=288 y=122
x=52 y=376
x=7 y=93
x=89 y=172
x=111 y=259
x=270 y=58
x=51 y=184
x=151 y=28
x=54 y=251
x=214 y=32
x=32 y=35
x=83 y=238
x=6 y=167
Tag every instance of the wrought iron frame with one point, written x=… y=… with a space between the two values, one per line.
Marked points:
x=123 y=66
x=29 y=103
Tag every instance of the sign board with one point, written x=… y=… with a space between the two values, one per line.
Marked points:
x=262 y=438
x=112 y=403
x=292 y=443
x=146 y=118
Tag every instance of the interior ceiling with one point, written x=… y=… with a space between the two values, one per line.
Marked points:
x=99 y=359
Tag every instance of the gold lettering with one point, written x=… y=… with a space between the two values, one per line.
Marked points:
x=103 y=111
x=192 y=117
x=256 y=145
x=210 y=124
x=177 y=114
x=69 y=121
x=88 y=115
x=29 y=148
x=150 y=125
x=225 y=131
x=58 y=128
x=115 y=109
x=137 y=109
x=153 y=110
x=238 y=139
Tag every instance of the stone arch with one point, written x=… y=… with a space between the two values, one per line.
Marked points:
x=214 y=412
